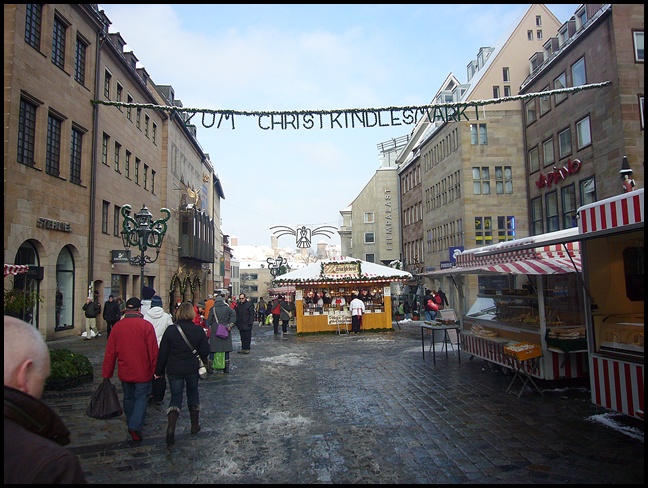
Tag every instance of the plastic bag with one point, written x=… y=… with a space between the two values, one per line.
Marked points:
x=268 y=320
x=104 y=403
x=219 y=360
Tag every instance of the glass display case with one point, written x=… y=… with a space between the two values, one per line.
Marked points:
x=621 y=334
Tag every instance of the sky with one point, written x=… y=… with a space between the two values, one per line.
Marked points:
x=304 y=57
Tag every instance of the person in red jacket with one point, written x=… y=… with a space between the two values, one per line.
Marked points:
x=133 y=346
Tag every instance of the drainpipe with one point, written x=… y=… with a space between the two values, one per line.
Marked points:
x=93 y=163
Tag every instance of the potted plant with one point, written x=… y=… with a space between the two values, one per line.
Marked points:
x=19 y=302
x=416 y=315
x=68 y=369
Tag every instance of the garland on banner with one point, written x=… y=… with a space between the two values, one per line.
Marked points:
x=345 y=118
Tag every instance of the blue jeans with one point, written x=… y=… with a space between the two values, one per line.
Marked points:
x=430 y=314
x=176 y=386
x=135 y=403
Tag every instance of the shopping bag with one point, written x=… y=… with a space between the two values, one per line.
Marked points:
x=219 y=360
x=221 y=331
x=159 y=388
x=104 y=403
x=268 y=320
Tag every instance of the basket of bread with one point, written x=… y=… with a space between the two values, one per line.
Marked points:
x=523 y=350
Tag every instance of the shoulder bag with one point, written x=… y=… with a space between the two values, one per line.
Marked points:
x=221 y=331
x=202 y=369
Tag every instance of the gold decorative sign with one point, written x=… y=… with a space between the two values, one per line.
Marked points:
x=341 y=270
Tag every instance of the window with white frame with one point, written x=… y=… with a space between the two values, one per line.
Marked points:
x=530 y=35
x=545 y=103
x=496 y=91
x=506 y=75
x=368 y=217
x=639 y=46
x=581 y=17
x=539 y=34
x=481 y=180
x=534 y=161
x=548 y=152
x=507 y=91
x=530 y=111
x=579 y=77
x=564 y=143
x=503 y=180
x=583 y=133
x=478 y=134
x=559 y=83
x=369 y=238
x=370 y=258
x=588 y=191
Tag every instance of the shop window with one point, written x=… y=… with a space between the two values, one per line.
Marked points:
x=63 y=300
x=588 y=191
x=505 y=228
x=633 y=268
x=483 y=231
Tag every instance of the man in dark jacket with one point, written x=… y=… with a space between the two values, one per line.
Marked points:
x=244 y=322
x=133 y=346
x=33 y=432
x=111 y=313
x=92 y=309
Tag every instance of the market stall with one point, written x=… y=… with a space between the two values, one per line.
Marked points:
x=612 y=240
x=526 y=291
x=323 y=291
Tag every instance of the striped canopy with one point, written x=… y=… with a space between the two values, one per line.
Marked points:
x=15 y=269
x=551 y=253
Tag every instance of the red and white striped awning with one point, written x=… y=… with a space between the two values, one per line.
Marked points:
x=612 y=213
x=15 y=269
x=560 y=255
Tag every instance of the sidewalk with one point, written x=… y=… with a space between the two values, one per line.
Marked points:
x=355 y=409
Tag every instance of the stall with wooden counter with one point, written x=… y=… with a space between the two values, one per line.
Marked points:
x=324 y=290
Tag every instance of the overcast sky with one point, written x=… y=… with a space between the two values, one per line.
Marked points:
x=304 y=57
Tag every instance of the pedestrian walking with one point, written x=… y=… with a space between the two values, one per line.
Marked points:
x=147 y=294
x=122 y=306
x=430 y=306
x=160 y=321
x=34 y=434
x=133 y=347
x=275 y=310
x=357 y=310
x=221 y=313
x=111 y=313
x=406 y=309
x=286 y=313
x=261 y=311
x=209 y=303
x=92 y=309
x=178 y=361
x=244 y=322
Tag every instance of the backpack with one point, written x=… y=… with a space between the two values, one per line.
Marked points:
x=277 y=309
x=431 y=305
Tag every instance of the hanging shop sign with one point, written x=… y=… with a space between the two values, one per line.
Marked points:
x=341 y=270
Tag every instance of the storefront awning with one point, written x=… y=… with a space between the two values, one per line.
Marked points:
x=559 y=254
x=612 y=214
x=15 y=269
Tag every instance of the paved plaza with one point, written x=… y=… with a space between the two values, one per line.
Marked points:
x=363 y=408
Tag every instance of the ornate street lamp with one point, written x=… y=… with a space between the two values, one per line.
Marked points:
x=142 y=232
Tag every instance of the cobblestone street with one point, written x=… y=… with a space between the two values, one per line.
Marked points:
x=355 y=409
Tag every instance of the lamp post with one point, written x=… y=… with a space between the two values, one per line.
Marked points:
x=143 y=232
x=275 y=265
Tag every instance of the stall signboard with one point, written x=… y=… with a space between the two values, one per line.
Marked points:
x=340 y=270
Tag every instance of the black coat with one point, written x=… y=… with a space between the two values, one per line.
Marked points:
x=174 y=355
x=244 y=315
x=111 y=312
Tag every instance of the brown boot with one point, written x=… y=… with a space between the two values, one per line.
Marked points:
x=172 y=416
x=194 y=413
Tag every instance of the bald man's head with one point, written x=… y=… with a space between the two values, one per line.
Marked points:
x=26 y=357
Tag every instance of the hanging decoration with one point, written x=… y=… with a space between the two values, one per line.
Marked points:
x=303 y=235
x=344 y=118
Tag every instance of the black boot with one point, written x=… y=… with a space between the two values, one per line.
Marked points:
x=227 y=366
x=194 y=413
x=170 y=433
